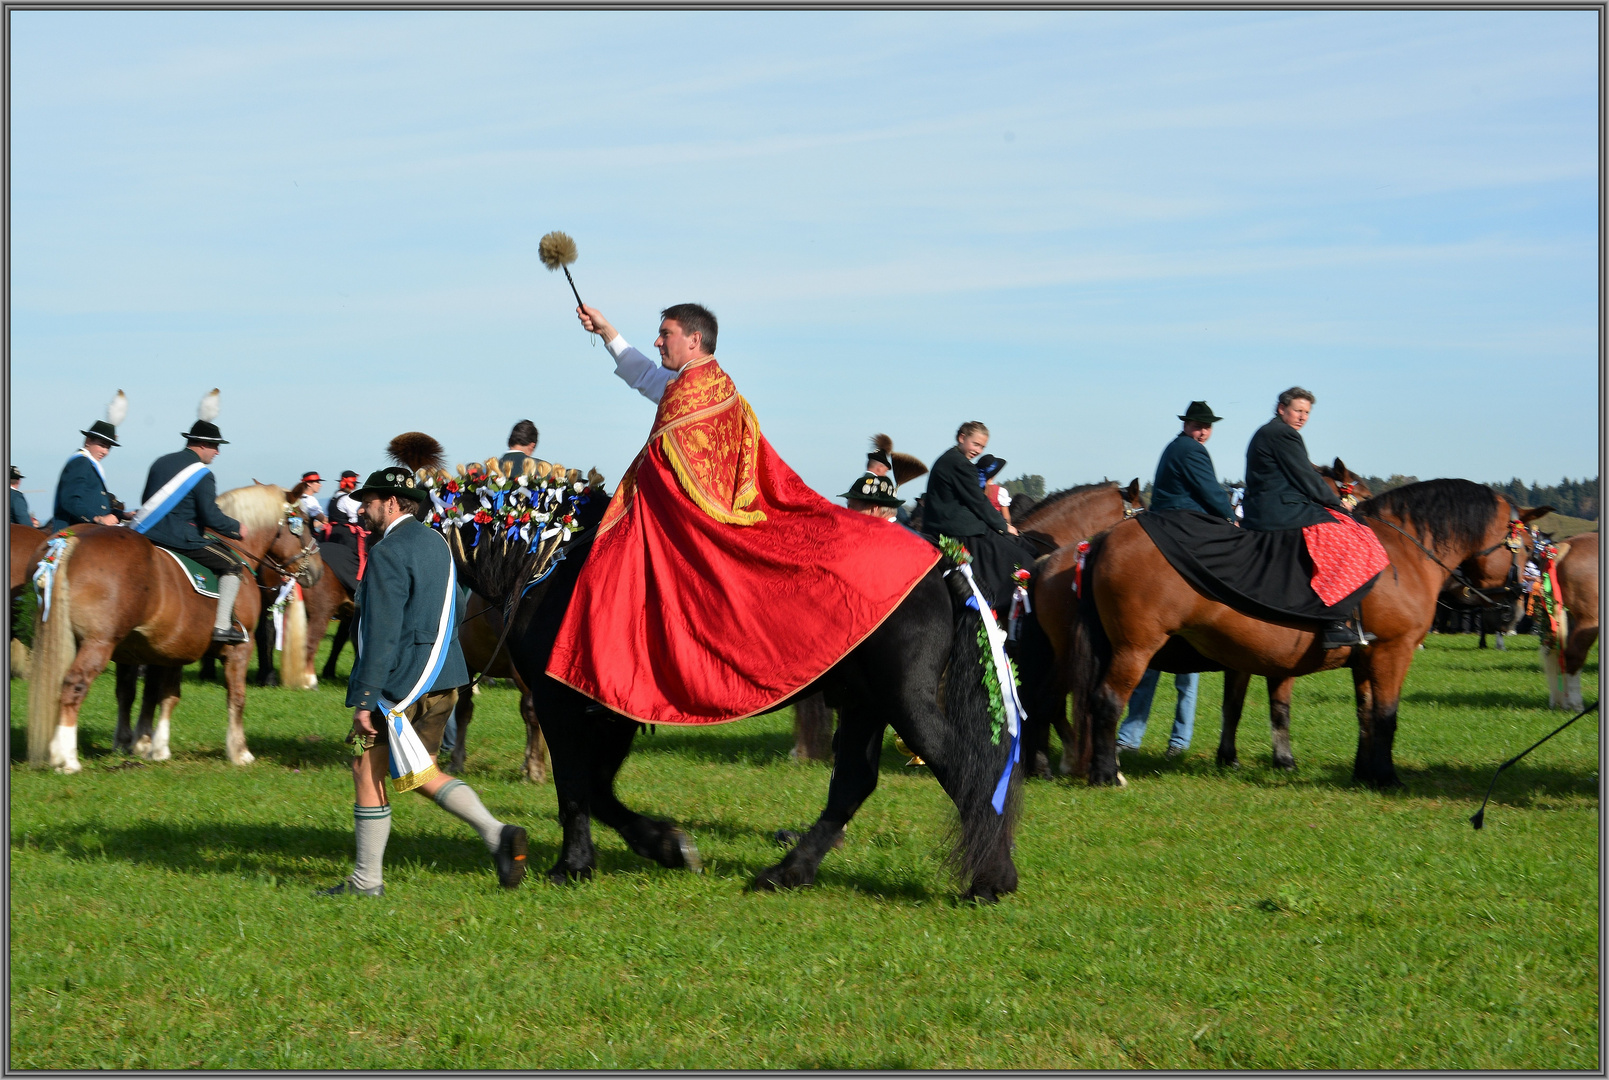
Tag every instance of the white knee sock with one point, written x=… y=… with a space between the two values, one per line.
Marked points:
x=228 y=589
x=460 y=800
x=373 y=828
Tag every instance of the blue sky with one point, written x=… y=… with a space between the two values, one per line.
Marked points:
x=1065 y=224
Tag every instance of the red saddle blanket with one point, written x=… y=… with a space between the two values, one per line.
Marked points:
x=720 y=584
x=1346 y=554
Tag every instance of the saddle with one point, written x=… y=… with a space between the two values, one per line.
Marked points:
x=202 y=580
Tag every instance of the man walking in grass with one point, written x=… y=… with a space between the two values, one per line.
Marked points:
x=405 y=682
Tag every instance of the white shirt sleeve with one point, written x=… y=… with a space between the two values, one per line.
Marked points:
x=638 y=372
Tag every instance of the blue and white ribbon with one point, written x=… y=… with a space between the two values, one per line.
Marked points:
x=411 y=763
x=1008 y=684
x=85 y=454
x=166 y=497
x=45 y=576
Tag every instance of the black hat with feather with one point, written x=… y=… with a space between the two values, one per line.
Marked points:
x=413 y=452
x=905 y=467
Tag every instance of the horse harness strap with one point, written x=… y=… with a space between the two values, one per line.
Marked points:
x=1454 y=572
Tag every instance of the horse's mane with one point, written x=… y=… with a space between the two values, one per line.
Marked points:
x=1450 y=511
x=1057 y=496
x=258 y=506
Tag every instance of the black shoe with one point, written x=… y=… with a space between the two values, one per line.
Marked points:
x=1343 y=635
x=346 y=888
x=509 y=858
x=232 y=636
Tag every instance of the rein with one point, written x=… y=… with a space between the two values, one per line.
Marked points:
x=1454 y=572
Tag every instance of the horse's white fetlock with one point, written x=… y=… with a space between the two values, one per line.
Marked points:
x=159 y=750
x=64 y=749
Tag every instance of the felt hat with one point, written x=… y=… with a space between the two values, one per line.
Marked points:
x=16 y=473
x=312 y=477
x=349 y=479
x=103 y=431
x=878 y=490
x=204 y=430
x=989 y=466
x=1199 y=413
x=106 y=430
x=393 y=480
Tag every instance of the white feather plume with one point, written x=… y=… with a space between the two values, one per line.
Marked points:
x=208 y=409
x=117 y=410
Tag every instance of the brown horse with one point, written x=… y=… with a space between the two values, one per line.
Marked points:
x=1577 y=572
x=1056 y=524
x=1352 y=490
x=116 y=596
x=478 y=636
x=24 y=555
x=1135 y=601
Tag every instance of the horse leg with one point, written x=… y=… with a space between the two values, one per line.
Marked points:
x=857 y=747
x=92 y=657
x=535 y=745
x=266 y=675
x=661 y=841
x=1236 y=684
x=812 y=729
x=1108 y=702
x=343 y=627
x=1378 y=723
x=161 y=684
x=568 y=732
x=463 y=713
x=235 y=660
x=1279 y=720
x=128 y=686
x=1041 y=696
x=142 y=734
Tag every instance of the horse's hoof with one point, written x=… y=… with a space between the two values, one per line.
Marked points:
x=311 y=683
x=162 y=754
x=1232 y=763
x=688 y=851
x=1285 y=766
x=981 y=894
x=1122 y=781
x=563 y=875
x=246 y=758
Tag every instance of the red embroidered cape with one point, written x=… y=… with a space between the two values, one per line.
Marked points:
x=720 y=584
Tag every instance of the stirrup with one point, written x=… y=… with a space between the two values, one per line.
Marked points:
x=232 y=636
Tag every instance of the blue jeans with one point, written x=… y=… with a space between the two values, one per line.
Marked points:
x=1184 y=714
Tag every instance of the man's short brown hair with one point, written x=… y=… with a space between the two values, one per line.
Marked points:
x=1296 y=393
x=695 y=319
x=524 y=434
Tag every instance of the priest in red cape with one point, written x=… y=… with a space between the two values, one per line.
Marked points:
x=719 y=584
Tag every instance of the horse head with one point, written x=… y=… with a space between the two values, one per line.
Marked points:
x=294 y=546
x=1347 y=484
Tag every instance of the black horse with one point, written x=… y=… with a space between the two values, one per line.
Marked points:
x=892 y=677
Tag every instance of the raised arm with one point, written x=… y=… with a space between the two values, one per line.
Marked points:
x=635 y=370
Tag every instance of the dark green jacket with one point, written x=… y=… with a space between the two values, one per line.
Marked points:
x=399 y=606
x=516 y=459
x=1185 y=480
x=180 y=528
x=1283 y=490
x=19 y=509
x=81 y=495
x=955 y=504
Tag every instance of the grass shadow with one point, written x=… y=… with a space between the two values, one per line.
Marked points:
x=257 y=849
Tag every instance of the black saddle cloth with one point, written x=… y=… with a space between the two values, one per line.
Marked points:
x=342 y=561
x=1265 y=575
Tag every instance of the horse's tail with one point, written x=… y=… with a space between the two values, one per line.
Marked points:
x=981 y=855
x=293 y=667
x=54 y=649
x=1089 y=657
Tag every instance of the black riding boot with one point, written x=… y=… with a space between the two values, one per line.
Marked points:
x=1346 y=634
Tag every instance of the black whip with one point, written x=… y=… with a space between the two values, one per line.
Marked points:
x=1478 y=818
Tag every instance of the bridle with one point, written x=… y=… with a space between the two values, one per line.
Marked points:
x=300 y=566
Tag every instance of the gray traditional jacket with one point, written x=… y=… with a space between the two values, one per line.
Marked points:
x=408 y=612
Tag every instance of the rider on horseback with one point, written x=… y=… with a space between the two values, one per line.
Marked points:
x=180 y=501
x=1285 y=491
x=957 y=507
x=81 y=495
x=521 y=446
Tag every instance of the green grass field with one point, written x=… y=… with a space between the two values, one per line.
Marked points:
x=161 y=917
